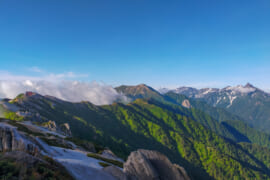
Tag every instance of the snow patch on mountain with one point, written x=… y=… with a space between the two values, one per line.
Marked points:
x=241 y=89
x=231 y=98
x=208 y=90
x=218 y=100
x=201 y=93
x=163 y=90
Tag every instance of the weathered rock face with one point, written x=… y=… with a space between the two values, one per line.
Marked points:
x=140 y=167
x=116 y=172
x=182 y=171
x=12 y=140
x=152 y=165
x=186 y=104
x=65 y=129
x=51 y=125
x=110 y=155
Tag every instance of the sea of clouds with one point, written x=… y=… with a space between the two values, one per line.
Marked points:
x=59 y=85
x=74 y=91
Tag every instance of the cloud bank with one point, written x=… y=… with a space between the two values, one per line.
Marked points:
x=60 y=86
x=73 y=91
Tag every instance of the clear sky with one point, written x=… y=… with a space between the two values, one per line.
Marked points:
x=161 y=43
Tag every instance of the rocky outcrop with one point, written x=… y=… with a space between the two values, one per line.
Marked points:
x=152 y=165
x=186 y=103
x=182 y=171
x=107 y=153
x=12 y=140
x=116 y=172
x=65 y=129
x=140 y=167
x=51 y=125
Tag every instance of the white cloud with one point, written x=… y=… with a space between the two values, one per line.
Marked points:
x=57 y=85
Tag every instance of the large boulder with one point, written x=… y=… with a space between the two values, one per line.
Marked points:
x=152 y=165
x=12 y=140
x=116 y=172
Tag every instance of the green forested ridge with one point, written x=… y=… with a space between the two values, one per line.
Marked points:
x=218 y=113
x=261 y=153
x=216 y=119
x=252 y=134
x=150 y=124
x=139 y=91
x=253 y=107
x=239 y=131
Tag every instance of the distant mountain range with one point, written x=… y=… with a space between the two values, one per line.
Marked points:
x=248 y=102
x=196 y=129
x=221 y=114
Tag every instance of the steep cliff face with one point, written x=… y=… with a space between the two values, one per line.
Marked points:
x=152 y=165
x=12 y=140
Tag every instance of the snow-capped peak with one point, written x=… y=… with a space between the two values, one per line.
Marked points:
x=241 y=89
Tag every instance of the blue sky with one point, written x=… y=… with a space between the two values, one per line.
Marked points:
x=198 y=43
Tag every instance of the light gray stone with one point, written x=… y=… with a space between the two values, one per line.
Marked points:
x=152 y=165
x=12 y=140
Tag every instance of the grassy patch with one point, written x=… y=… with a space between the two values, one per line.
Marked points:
x=8 y=170
x=114 y=162
x=103 y=164
x=22 y=128
x=80 y=119
x=87 y=145
x=54 y=142
x=12 y=169
x=13 y=116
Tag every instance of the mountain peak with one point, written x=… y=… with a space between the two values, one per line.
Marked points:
x=142 y=85
x=248 y=85
x=138 y=91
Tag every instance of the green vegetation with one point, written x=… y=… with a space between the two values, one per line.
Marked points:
x=19 y=97
x=24 y=129
x=252 y=134
x=229 y=126
x=252 y=108
x=140 y=91
x=54 y=142
x=114 y=162
x=80 y=119
x=87 y=145
x=14 y=167
x=219 y=114
x=103 y=164
x=189 y=137
x=12 y=116
x=261 y=153
x=8 y=170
